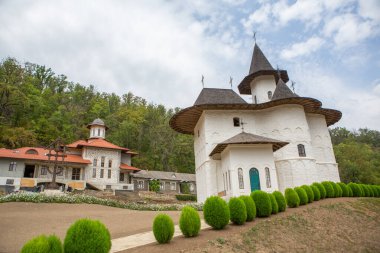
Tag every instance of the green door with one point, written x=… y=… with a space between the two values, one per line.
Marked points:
x=255 y=179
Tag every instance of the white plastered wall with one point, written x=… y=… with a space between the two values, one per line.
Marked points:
x=260 y=87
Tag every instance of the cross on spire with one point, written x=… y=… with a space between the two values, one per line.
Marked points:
x=231 y=81
x=203 y=81
x=242 y=123
x=254 y=36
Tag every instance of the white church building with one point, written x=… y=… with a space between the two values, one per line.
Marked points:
x=279 y=140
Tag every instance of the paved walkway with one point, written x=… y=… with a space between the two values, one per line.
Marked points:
x=132 y=241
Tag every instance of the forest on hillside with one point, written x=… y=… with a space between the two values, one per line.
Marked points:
x=37 y=106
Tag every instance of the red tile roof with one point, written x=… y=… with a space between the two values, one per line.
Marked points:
x=38 y=154
x=98 y=143
x=127 y=167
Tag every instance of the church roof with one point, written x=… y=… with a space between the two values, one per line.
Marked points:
x=248 y=138
x=97 y=122
x=259 y=66
x=218 y=96
x=165 y=175
x=97 y=143
x=282 y=91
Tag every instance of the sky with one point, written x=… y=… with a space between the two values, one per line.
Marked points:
x=159 y=49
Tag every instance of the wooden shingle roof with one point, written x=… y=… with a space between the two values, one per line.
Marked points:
x=282 y=91
x=248 y=138
x=218 y=96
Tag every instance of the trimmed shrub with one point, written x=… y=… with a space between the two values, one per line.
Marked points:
x=292 y=198
x=186 y=197
x=216 y=212
x=362 y=193
x=317 y=193
x=238 y=211
x=322 y=189
x=356 y=190
x=87 y=235
x=366 y=191
x=302 y=195
x=309 y=192
x=337 y=189
x=189 y=222
x=262 y=202
x=330 y=193
x=250 y=207
x=163 y=228
x=273 y=203
x=371 y=193
x=281 y=202
x=43 y=244
x=375 y=190
x=350 y=193
x=344 y=188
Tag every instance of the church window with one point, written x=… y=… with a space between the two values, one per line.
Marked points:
x=109 y=173
x=229 y=180
x=301 y=150
x=109 y=163
x=236 y=122
x=95 y=162
x=93 y=131
x=241 y=179
x=94 y=173
x=121 y=177
x=267 y=176
x=101 y=173
x=12 y=166
x=102 y=161
x=98 y=131
x=75 y=175
x=269 y=95
x=255 y=99
x=44 y=170
x=224 y=182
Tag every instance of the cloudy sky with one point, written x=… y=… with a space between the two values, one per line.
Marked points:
x=159 y=49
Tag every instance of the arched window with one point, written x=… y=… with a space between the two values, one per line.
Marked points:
x=301 y=150
x=236 y=122
x=269 y=95
x=241 y=179
x=98 y=131
x=31 y=152
x=267 y=176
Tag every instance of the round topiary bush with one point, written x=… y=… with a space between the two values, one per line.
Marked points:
x=371 y=193
x=87 y=235
x=309 y=192
x=273 y=203
x=238 y=211
x=362 y=193
x=43 y=244
x=350 y=193
x=345 y=192
x=330 y=193
x=250 y=207
x=375 y=191
x=163 y=228
x=189 y=222
x=356 y=190
x=292 y=198
x=262 y=202
x=321 y=189
x=216 y=212
x=280 y=201
x=366 y=191
x=302 y=195
x=317 y=193
x=337 y=189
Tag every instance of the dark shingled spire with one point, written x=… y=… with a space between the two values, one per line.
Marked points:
x=259 y=61
x=260 y=66
x=282 y=91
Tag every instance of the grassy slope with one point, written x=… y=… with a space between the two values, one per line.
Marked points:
x=342 y=227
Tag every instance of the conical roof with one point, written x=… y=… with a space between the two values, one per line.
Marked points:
x=259 y=61
x=248 y=138
x=97 y=122
x=259 y=66
x=282 y=91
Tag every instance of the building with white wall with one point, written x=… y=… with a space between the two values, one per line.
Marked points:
x=279 y=140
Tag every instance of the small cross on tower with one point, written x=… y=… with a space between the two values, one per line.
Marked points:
x=242 y=123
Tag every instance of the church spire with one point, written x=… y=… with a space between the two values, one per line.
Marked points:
x=259 y=61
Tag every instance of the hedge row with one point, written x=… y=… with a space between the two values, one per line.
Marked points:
x=186 y=197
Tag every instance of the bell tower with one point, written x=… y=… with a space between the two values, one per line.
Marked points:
x=97 y=129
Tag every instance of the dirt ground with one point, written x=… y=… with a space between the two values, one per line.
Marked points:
x=19 y=222
x=330 y=225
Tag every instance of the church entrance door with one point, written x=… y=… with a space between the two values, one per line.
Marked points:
x=255 y=179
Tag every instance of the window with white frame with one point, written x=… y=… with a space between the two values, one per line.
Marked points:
x=121 y=177
x=172 y=186
x=241 y=179
x=101 y=173
x=44 y=170
x=109 y=174
x=301 y=150
x=95 y=162
x=102 y=161
x=75 y=174
x=93 y=172
x=140 y=184
x=229 y=180
x=109 y=163
x=12 y=166
x=267 y=176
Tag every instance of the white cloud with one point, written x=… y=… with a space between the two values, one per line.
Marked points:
x=302 y=48
x=370 y=9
